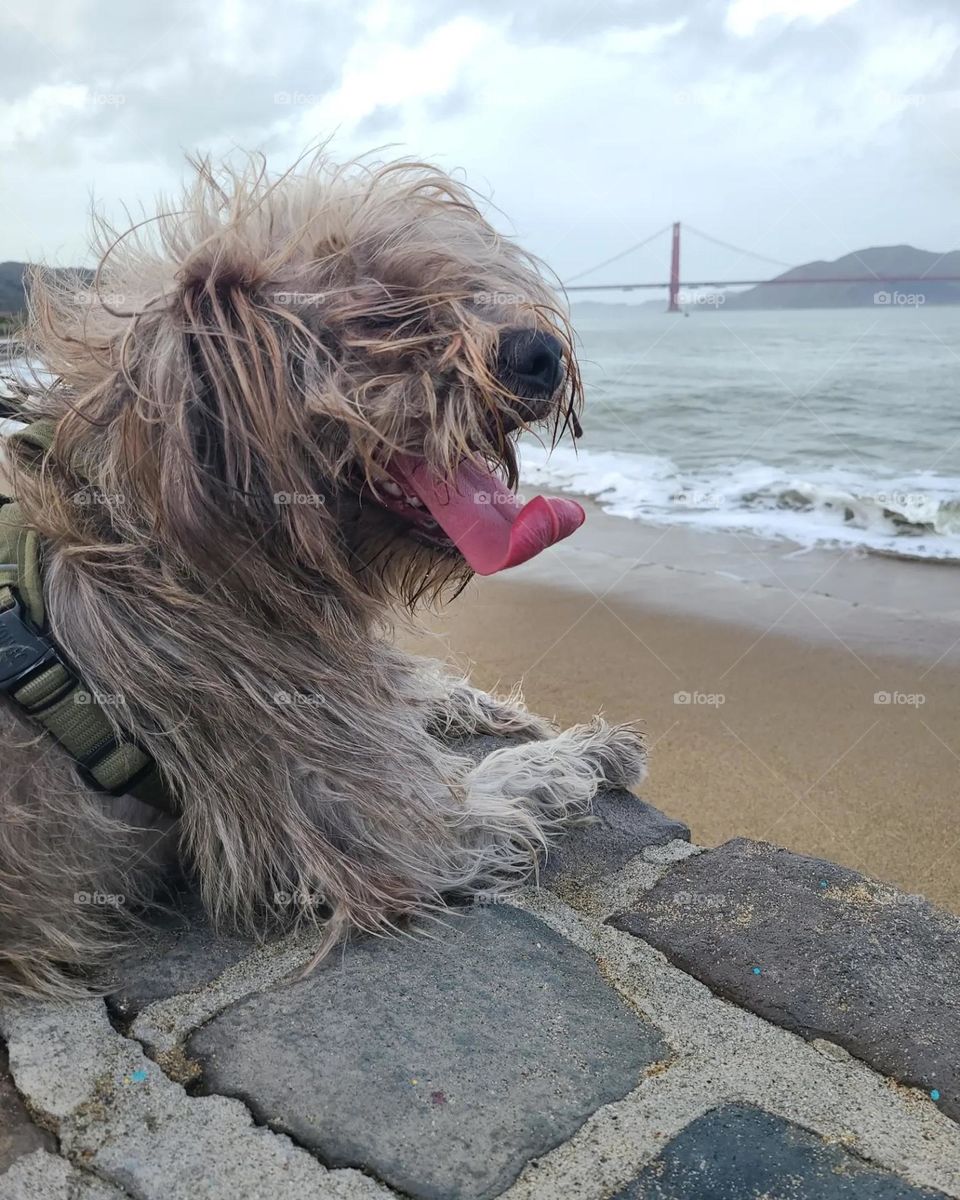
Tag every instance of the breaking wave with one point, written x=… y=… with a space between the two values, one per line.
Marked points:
x=910 y=516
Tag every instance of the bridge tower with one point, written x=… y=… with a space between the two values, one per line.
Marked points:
x=674 y=305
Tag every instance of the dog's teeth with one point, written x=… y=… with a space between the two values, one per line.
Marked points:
x=413 y=501
x=392 y=489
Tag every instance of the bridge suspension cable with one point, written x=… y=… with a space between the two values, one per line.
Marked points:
x=616 y=258
x=737 y=249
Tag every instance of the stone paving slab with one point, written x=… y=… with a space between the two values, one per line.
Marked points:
x=820 y=950
x=441 y=1065
x=741 y=1153
x=180 y=952
x=625 y=826
x=18 y=1133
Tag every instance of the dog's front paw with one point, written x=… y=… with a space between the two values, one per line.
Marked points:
x=619 y=752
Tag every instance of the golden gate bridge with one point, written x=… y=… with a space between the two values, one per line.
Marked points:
x=675 y=286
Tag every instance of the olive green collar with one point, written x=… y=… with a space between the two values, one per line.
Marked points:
x=36 y=676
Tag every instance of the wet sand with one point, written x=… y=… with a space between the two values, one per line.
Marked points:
x=759 y=676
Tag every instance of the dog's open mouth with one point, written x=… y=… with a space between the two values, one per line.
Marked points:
x=477 y=513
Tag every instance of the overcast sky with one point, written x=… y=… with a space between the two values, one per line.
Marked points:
x=800 y=128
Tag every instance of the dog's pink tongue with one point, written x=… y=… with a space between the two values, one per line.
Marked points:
x=484 y=519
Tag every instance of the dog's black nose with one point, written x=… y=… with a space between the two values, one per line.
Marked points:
x=530 y=363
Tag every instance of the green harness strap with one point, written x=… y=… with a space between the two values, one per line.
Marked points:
x=35 y=675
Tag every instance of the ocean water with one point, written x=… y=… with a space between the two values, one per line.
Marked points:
x=821 y=427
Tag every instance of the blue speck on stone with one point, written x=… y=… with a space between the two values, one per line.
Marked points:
x=757 y=971
x=935 y=1094
x=138 y=1076
x=823 y=883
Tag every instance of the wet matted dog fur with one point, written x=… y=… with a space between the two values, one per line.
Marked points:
x=286 y=413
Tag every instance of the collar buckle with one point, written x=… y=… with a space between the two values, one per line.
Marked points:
x=24 y=653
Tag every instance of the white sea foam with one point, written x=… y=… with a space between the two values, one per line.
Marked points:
x=915 y=516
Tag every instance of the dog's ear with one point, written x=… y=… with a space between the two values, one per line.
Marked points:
x=236 y=381
x=190 y=408
x=191 y=402
x=233 y=450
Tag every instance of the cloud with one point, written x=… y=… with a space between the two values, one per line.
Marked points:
x=160 y=78
x=801 y=127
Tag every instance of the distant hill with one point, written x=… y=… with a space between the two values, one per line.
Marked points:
x=914 y=271
x=12 y=296
x=11 y=287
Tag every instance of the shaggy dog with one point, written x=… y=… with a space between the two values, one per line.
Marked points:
x=291 y=405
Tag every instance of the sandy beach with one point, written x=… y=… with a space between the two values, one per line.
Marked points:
x=812 y=700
